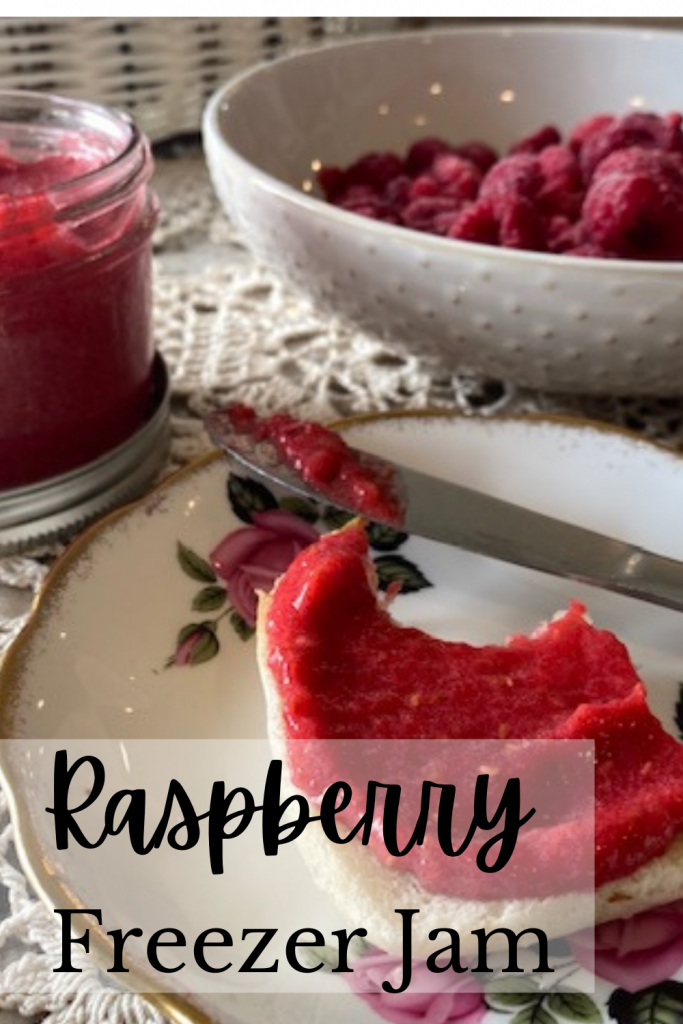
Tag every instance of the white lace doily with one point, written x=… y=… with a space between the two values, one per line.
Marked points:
x=228 y=329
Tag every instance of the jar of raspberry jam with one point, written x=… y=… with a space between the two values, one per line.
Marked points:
x=76 y=218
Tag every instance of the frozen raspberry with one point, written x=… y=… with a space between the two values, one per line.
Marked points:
x=509 y=221
x=672 y=132
x=560 y=162
x=397 y=191
x=645 y=130
x=587 y=129
x=520 y=225
x=562 y=191
x=518 y=175
x=477 y=222
x=665 y=166
x=362 y=199
x=478 y=153
x=375 y=170
x=364 y=207
x=390 y=216
x=421 y=214
x=456 y=177
x=563 y=234
x=590 y=249
x=422 y=154
x=372 y=207
x=615 y=189
x=536 y=143
x=443 y=222
x=637 y=213
x=357 y=192
x=357 y=196
x=423 y=186
x=332 y=181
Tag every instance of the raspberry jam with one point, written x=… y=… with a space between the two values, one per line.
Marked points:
x=345 y=669
x=325 y=461
x=76 y=218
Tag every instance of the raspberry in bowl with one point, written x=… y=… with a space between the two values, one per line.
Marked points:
x=612 y=189
x=551 y=307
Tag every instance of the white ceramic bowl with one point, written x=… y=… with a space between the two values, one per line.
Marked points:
x=548 y=321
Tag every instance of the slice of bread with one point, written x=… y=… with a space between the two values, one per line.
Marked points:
x=368 y=892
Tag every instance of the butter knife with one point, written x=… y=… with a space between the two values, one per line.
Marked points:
x=477 y=522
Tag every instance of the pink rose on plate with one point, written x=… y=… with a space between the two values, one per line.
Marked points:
x=251 y=559
x=430 y=998
x=637 y=952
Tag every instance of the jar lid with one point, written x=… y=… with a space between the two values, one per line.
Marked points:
x=53 y=509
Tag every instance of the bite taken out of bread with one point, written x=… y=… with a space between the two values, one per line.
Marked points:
x=315 y=652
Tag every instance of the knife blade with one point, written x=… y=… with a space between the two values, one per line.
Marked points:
x=480 y=523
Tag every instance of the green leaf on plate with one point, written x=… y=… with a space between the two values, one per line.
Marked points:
x=299 y=507
x=506 y=993
x=196 y=642
x=357 y=947
x=659 y=1004
x=209 y=599
x=193 y=565
x=206 y=648
x=575 y=1006
x=247 y=496
x=393 y=569
x=187 y=631
x=314 y=956
x=385 y=538
x=241 y=626
x=534 y=1013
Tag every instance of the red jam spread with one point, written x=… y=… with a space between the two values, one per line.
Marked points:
x=75 y=293
x=326 y=462
x=23 y=177
x=345 y=669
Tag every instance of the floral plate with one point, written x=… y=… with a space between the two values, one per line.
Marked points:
x=145 y=631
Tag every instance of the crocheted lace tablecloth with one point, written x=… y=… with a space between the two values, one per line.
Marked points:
x=227 y=328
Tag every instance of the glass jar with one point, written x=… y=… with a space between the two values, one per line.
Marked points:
x=76 y=218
